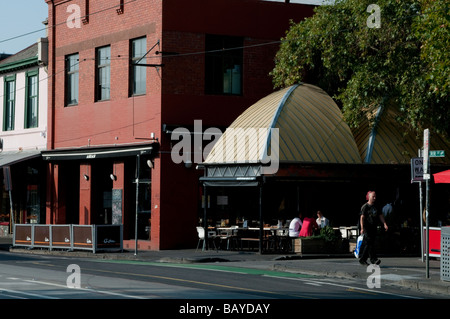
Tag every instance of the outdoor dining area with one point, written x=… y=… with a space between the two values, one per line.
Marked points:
x=275 y=238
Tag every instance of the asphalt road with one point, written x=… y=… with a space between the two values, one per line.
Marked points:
x=49 y=277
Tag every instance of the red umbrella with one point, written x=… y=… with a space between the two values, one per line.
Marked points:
x=442 y=177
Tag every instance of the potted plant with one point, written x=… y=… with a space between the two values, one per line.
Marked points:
x=327 y=241
x=332 y=238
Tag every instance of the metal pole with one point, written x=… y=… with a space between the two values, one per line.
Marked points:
x=421 y=220
x=261 y=225
x=138 y=160
x=11 y=209
x=428 y=229
x=427 y=173
x=205 y=220
x=421 y=213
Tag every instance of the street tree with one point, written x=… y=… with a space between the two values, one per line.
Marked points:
x=364 y=54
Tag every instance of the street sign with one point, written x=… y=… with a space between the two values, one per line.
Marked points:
x=440 y=153
x=417 y=169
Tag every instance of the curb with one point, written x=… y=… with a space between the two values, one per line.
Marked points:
x=421 y=286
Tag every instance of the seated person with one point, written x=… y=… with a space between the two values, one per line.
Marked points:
x=308 y=227
x=295 y=226
x=321 y=220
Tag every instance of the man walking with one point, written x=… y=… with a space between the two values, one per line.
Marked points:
x=369 y=217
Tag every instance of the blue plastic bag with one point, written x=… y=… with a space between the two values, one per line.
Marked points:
x=359 y=245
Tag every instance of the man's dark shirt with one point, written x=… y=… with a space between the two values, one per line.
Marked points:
x=371 y=217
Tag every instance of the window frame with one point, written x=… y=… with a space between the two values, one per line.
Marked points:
x=72 y=74
x=99 y=69
x=223 y=51
x=28 y=97
x=9 y=111
x=142 y=60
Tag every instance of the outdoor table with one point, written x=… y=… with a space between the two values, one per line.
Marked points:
x=228 y=234
x=274 y=237
x=348 y=232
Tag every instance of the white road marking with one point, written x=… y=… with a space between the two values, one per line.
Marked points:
x=309 y=281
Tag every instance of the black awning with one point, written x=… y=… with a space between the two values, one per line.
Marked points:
x=231 y=175
x=99 y=152
x=229 y=182
x=10 y=158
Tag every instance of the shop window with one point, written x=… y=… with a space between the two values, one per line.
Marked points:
x=33 y=204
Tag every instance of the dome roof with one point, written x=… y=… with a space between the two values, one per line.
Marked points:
x=299 y=124
x=382 y=140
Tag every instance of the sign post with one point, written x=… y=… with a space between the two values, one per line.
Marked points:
x=417 y=177
x=426 y=176
x=420 y=171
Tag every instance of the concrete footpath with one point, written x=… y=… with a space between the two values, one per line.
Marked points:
x=408 y=272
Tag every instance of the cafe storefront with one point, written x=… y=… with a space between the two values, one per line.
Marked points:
x=271 y=155
x=23 y=189
x=292 y=152
x=105 y=185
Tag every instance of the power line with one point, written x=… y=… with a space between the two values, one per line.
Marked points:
x=210 y=51
x=171 y=55
x=65 y=22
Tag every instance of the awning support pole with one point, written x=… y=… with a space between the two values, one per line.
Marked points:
x=205 y=217
x=11 y=209
x=261 y=225
x=138 y=161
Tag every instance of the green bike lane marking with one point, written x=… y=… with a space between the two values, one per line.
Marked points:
x=240 y=270
x=234 y=269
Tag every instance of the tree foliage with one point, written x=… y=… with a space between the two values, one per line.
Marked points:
x=405 y=61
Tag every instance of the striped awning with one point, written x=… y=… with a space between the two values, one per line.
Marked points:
x=299 y=124
x=382 y=140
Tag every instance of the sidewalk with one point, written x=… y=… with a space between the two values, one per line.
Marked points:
x=408 y=272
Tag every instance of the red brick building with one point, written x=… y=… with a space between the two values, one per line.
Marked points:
x=199 y=60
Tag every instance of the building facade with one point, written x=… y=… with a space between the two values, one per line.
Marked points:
x=128 y=77
x=23 y=135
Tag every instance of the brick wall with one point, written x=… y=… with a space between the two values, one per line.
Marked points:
x=122 y=118
x=175 y=92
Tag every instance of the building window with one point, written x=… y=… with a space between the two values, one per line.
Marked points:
x=10 y=97
x=138 y=73
x=103 y=74
x=223 y=73
x=31 y=102
x=72 y=67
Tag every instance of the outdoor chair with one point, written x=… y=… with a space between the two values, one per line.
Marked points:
x=211 y=235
